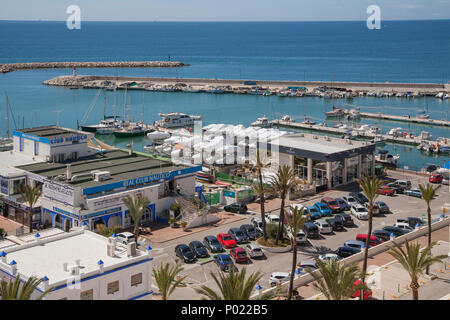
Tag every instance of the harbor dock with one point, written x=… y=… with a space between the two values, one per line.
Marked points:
x=380 y=115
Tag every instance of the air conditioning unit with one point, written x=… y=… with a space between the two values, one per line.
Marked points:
x=131 y=249
x=110 y=250
x=101 y=175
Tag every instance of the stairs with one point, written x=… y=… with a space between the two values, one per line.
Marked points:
x=189 y=211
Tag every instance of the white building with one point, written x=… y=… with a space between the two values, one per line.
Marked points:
x=81 y=265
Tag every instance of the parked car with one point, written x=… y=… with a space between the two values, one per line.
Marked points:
x=405 y=184
x=226 y=240
x=404 y=226
x=328 y=256
x=345 y=251
x=382 y=234
x=336 y=224
x=373 y=240
x=359 y=197
x=383 y=207
x=313 y=212
x=350 y=200
x=323 y=209
x=445 y=181
x=386 y=191
x=311 y=230
x=412 y=221
x=307 y=264
x=185 y=253
x=301 y=236
x=272 y=218
x=249 y=231
x=324 y=227
x=343 y=204
x=360 y=212
x=345 y=218
x=239 y=255
x=236 y=208
x=254 y=251
x=224 y=262
x=238 y=235
x=367 y=293
x=212 y=244
x=354 y=244
x=278 y=277
x=257 y=223
x=396 y=231
x=375 y=208
x=398 y=189
x=436 y=178
x=198 y=249
x=125 y=237
x=331 y=204
x=414 y=193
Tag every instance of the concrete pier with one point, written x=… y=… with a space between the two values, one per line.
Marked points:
x=380 y=115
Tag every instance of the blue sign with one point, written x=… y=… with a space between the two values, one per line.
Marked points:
x=101 y=213
x=229 y=194
x=31 y=137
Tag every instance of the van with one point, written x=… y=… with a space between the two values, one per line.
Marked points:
x=125 y=237
x=373 y=241
x=311 y=230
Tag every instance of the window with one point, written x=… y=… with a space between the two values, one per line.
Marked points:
x=136 y=279
x=87 y=295
x=113 y=287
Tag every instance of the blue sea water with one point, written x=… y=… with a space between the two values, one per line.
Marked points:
x=402 y=51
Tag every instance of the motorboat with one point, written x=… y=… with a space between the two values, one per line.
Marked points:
x=308 y=121
x=158 y=135
x=353 y=114
x=287 y=118
x=385 y=157
x=261 y=122
x=6 y=144
x=335 y=112
x=176 y=120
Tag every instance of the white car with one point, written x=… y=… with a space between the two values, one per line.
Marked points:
x=272 y=218
x=328 y=257
x=125 y=237
x=359 y=211
x=301 y=236
x=350 y=200
x=278 y=277
x=403 y=225
x=324 y=227
x=299 y=206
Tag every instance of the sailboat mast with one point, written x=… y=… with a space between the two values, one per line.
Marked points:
x=143 y=92
x=104 y=104
x=114 y=106
x=7 y=113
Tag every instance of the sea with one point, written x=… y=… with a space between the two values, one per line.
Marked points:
x=401 y=51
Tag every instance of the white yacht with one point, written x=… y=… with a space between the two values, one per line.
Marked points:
x=261 y=122
x=353 y=114
x=287 y=118
x=158 y=135
x=385 y=157
x=176 y=120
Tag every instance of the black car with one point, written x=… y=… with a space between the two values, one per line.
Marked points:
x=382 y=234
x=236 y=208
x=398 y=189
x=337 y=224
x=199 y=249
x=212 y=244
x=249 y=231
x=238 y=235
x=345 y=251
x=346 y=219
x=395 y=230
x=359 y=197
x=311 y=230
x=224 y=262
x=343 y=204
x=185 y=253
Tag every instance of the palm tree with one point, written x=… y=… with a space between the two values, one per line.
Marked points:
x=31 y=195
x=167 y=279
x=370 y=186
x=336 y=281
x=234 y=286
x=414 y=261
x=428 y=194
x=260 y=189
x=295 y=220
x=282 y=183
x=13 y=290
x=136 y=207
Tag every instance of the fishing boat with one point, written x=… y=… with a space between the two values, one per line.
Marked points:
x=308 y=121
x=335 y=112
x=261 y=122
x=176 y=120
x=385 y=157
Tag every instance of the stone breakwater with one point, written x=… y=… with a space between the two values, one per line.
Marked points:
x=5 y=68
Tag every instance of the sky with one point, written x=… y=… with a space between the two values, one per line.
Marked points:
x=223 y=10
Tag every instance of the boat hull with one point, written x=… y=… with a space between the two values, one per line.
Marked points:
x=88 y=128
x=121 y=134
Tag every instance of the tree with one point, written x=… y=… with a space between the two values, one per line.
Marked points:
x=428 y=194
x=234 y=286
x=167 y=279
x=260 y=189
x=414 y=261
x=136 y=207
x=108 y=231
x=295 y=220
x=13 y=290
x=31 y=195
x=370 y=186
x=337 y=281
x=281 y=184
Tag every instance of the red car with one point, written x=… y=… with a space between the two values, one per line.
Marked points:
x=226 y=240
x=435 y=178
x=332 y=204
x=367 y=294
x=239 y=255
x=373 y=241
x=386 y=191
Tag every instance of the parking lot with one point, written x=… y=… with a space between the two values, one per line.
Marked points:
x=401 y=206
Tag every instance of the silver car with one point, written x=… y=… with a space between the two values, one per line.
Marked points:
x=254 y=251
x=324 y=227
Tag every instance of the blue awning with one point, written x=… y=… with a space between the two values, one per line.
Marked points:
x=447 y=165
